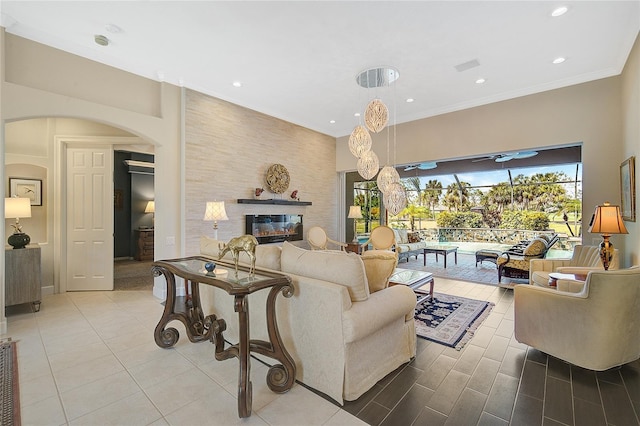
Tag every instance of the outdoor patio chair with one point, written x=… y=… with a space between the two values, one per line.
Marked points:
x=596 y=328
x=318 y=240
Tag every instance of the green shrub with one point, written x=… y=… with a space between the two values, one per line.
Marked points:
x=524 y=219
x=459 y=220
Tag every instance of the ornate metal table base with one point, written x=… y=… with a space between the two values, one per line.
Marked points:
x=188 y=310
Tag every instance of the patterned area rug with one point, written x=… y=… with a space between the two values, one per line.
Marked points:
x=450 y=320
x=9 y=391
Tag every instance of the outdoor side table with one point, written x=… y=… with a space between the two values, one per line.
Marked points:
x=188 y=310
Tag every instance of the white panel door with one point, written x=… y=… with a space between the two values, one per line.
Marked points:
x=89 y=219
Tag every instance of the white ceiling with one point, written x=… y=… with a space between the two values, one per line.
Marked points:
x=298 y=60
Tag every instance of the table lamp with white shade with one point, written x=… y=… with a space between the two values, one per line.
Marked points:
x=151 y=208
x=16 y=208
x=214 y=212
x=355 y=213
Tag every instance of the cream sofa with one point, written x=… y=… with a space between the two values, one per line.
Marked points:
x=406 y=248
x=597 y=327
x=343 y=337
x=584 y=260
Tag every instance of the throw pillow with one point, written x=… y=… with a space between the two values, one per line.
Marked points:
x=414 y=237
x=401 y=236
x=379 y=267
x=346 y=269
x=535 y=248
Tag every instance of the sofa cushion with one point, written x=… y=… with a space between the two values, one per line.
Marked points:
x=267 y=255
x=338 y=267
x=401 y=236
x=535 y=248
x=379 y=267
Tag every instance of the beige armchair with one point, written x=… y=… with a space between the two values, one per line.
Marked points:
x=318 y=240
x=584 y=260
x=597 y=328
x=381 y=238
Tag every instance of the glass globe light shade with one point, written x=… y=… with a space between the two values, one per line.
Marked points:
x=395 y=199
x=386 y=177
x=359 y=141
x=376 y=115
x=368 y=165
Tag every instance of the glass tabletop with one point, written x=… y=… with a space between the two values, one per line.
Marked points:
x=224 y=274
x=408 y=276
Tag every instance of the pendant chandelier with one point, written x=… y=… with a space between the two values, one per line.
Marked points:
x=387 y=176
x=359 y=141
x=376 y=118
x=395 y=199
x=368 y=165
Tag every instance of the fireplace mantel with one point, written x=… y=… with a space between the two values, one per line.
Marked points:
x=274 y=201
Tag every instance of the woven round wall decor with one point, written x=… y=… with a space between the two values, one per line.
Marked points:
x=278 y=178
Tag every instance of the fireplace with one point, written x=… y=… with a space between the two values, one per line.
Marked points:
x=274 y=228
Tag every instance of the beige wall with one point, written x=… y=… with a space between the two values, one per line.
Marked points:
x=228 y=151
x=155 y=118
x=589 y=113
x=631 y=143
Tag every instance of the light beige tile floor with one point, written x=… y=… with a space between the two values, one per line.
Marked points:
x=90 y=359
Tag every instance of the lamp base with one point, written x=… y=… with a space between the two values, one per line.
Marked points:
x=606 y=252
x=19 y=240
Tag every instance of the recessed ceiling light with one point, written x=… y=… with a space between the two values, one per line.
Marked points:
x=559 y=11
x=480 y=81
x=559 y=60
x=332 y=121
x=101 y=40
x=113 y=28
x=237 y=84
x=410 y=100
x=357 y=114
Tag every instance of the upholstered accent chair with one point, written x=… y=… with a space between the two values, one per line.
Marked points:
x=381 y=238
x=584 y=260
x=318 y=240
x=596 y=328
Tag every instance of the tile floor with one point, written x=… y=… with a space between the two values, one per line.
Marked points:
x=89 y=359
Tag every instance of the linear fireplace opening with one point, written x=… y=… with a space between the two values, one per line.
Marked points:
x=274 y=228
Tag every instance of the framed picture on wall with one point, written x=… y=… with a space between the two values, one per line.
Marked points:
x=628 y=189
x=26 y=188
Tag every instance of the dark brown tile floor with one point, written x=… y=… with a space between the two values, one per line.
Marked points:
x=494 y=380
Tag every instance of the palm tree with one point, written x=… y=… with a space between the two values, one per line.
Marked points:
x=432 y=193
x=413 y=184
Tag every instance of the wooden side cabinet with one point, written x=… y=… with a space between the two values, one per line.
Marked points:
x=22 y=276
x=144 y=246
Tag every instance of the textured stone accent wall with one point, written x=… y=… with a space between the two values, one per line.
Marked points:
x=228 y=151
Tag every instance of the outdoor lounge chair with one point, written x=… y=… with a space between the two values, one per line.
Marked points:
x=515 y=262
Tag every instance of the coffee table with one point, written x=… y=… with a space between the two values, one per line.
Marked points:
x=414 y=280
x=441 y=249
x=555 y=276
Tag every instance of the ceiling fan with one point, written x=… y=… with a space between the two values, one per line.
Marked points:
x=501 y=158
x=421 y=166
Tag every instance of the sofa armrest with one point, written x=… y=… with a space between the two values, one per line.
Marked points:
x=393 y=303
x=570 y=286
x=581 y=270
x=547 y=265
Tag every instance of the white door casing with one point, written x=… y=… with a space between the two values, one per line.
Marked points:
x=89 y=218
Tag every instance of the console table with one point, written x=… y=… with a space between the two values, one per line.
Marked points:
x=188 y=310
x=22 y=276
